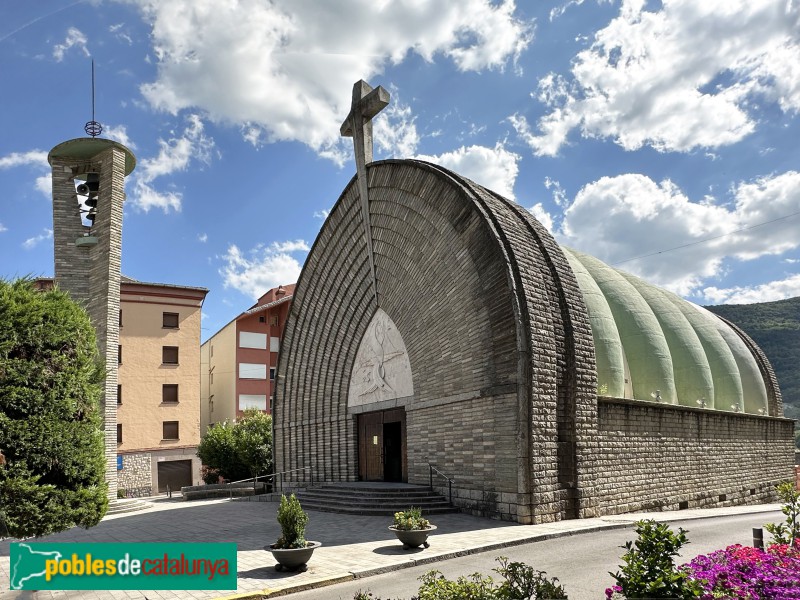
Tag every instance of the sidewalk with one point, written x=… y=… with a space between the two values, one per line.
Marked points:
x=353 y=546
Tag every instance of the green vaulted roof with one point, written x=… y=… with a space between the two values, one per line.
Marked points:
x=649 y=342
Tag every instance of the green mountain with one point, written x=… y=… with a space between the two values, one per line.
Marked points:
x=775 y=326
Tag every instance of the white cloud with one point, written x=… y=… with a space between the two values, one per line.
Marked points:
x=3 y=228
x=541 y=214
x=32 y=242
x=495 y=168
x=677 y=79
x=262 y=268
x=174 y=155
x=119 y=133
x=287 y=68
x=36 y=158
x=75 y=38
x=768 y=292
x=202 y=237
x=394 y=129
x=559 y=195
x=322 y=214
x=629 y=216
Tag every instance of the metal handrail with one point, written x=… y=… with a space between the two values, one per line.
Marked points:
x=271 y=475
x=450 y=480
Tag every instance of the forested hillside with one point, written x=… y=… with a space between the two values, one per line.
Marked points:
x=775 y=326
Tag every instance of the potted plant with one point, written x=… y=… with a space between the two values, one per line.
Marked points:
x=292 y=550
x=411 y=528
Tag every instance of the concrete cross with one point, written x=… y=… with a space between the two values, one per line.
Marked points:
x=367 y=102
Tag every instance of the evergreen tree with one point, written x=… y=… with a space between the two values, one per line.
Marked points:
x=50 y=423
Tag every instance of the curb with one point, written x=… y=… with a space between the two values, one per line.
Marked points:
x=411 y=562
x=610 y=522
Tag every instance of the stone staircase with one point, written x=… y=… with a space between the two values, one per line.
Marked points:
x=373 y=498
x=125 y=505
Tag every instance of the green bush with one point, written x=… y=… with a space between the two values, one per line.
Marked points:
x=238 y=450
x=649 y=570
x=293 y=520
x=121 y=493
x=410 y=519
x=51 y=429
x=788 y=532
x=520 y=582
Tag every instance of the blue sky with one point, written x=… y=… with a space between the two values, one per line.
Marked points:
x=660 y=137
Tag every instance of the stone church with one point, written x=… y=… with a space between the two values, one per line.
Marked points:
x=436 y=322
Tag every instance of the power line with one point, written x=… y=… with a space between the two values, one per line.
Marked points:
x=703 y=241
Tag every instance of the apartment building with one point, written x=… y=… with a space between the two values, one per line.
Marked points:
x=158 y=396
x=238 y=362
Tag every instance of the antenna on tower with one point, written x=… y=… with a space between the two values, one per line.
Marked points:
x=93 y=128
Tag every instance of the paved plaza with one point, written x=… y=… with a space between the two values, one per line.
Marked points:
x=353 y=546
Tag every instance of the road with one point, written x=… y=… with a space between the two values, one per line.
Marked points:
x=581 y=562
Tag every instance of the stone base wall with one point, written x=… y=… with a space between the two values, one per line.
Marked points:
x=654 y=457
x=136 y=477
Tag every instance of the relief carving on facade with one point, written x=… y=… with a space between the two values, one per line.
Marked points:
x=382 y=370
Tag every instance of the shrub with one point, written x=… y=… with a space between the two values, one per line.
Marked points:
x=789 y=532
x=520 y=582
x=121 y=493
x=293 y=520
x=409 y=519
x=744 y=572
x=51 y=429
x=649 y=570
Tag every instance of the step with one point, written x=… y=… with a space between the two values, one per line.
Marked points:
x=394 y=505
x=126 y=505
x=373 y=512
x=369 y=496
x=378 y=499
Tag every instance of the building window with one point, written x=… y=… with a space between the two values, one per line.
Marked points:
x=169 y=393
x=119 y=394
x=119 y=433
x=274 y=344
x=119 y=354
x=169 y=355
x=170 y=430
x=170 y=320
x=270 y=403
x=273 y=320
x=252 y=401
x=248 y=339
x=120 y=318
x=272 y=372
x=262 y=319
x=252 y=371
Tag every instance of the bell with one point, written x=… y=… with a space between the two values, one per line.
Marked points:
x=92 y=214
x=91 y=202
x=92 y=184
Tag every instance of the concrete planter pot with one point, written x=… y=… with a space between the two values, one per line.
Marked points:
x=413 y=538
x=293 y=559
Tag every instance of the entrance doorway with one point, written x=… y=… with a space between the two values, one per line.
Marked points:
x=382 y=446
x=175 y=474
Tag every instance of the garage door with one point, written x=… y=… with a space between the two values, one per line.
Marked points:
x=175 y=474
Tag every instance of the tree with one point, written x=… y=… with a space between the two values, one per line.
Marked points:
x=240 y=449
x=253 y=440
x=51 y=431
x=217 y=451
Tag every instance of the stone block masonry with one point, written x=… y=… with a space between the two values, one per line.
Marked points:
x=135 y=477
x=502 y=360
x=91 y=273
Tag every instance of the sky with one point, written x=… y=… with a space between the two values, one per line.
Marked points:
x=660 y=137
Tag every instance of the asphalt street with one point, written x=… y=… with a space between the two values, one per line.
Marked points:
x=581 y=562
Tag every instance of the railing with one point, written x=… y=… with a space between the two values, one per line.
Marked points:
x=432 y=468
x=273 y=476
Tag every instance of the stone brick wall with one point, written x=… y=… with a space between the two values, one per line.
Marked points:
x=659 y=457
x=503 y=366
x=136 y=475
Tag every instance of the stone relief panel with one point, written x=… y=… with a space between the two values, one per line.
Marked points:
x=382 y=370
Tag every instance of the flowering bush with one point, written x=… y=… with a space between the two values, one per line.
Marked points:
x=743 y=573
x=409 y=519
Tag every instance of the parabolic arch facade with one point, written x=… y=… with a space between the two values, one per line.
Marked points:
x=548 y=385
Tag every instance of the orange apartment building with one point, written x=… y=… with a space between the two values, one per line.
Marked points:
x=158 y=396
x=238 y=362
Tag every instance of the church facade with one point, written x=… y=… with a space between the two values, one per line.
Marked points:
x=438 y=323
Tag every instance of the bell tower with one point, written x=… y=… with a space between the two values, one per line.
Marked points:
x=88 y=193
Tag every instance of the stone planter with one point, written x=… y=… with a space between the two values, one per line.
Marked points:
x=293 y=559
x=413 y=538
